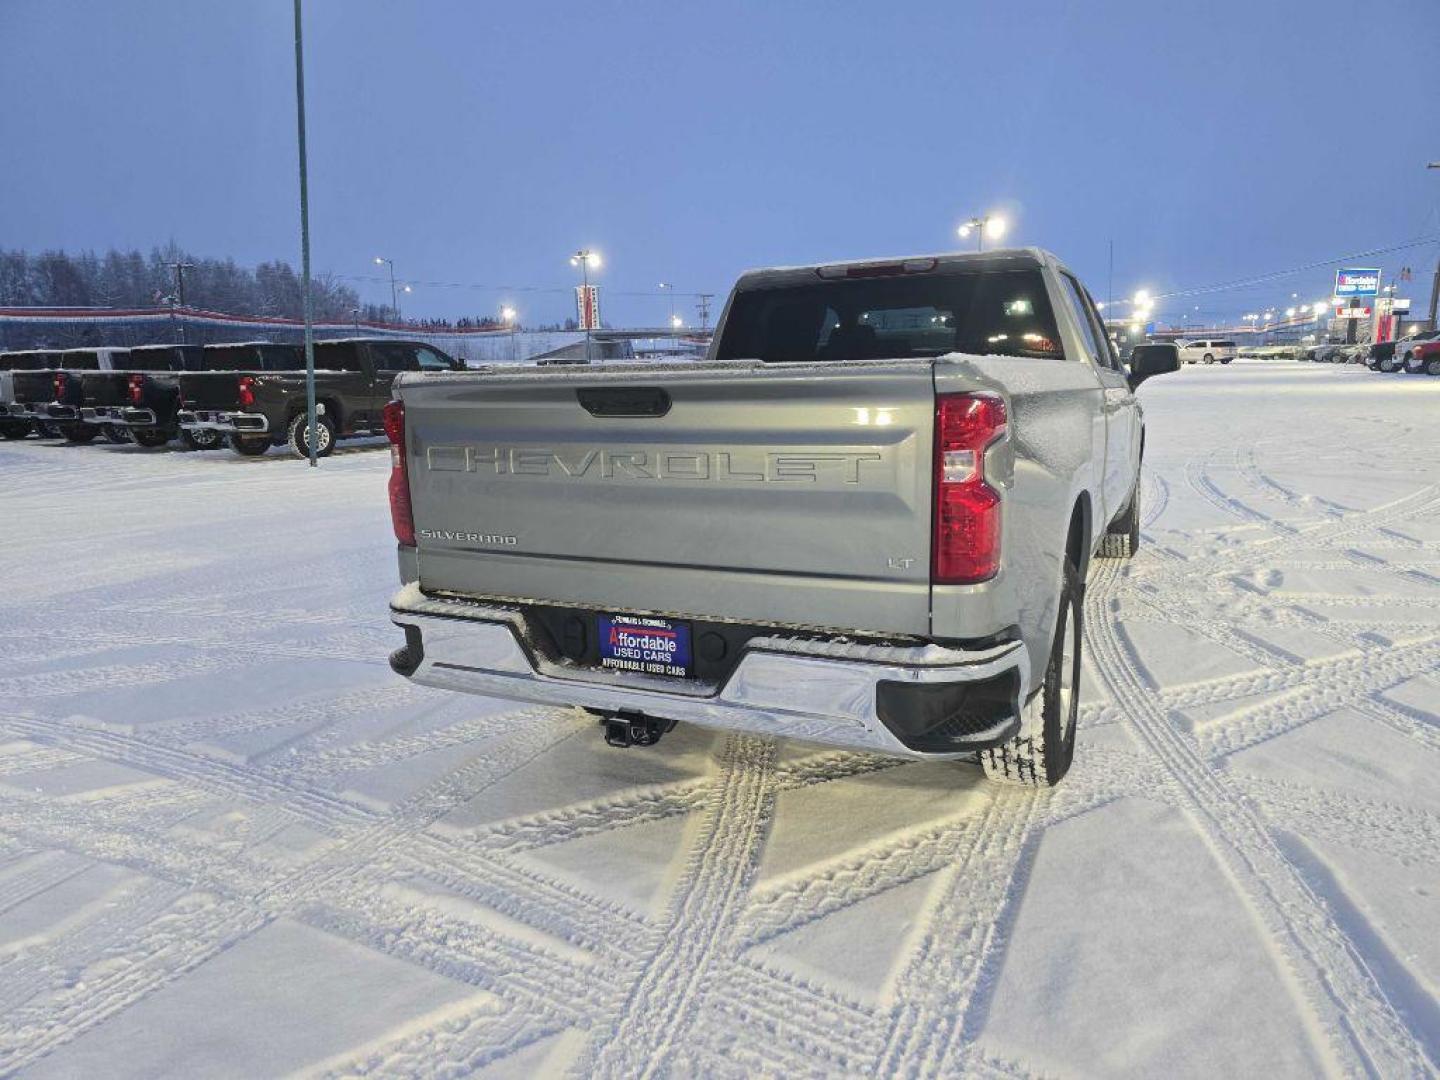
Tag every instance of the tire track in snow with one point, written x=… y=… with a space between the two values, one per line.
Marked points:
x=663 y=1001
x=1360 y=1027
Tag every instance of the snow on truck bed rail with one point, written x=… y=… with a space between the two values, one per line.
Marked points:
x=232 y=842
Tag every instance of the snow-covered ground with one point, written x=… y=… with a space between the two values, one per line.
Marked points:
x=233 y=843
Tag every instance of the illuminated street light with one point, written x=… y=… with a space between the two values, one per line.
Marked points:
x=1289 y=313
x=1141 y=298
x=991 y=225
x=677 y=323
x=507 y=315
x=1319 y=307
x=585 y=259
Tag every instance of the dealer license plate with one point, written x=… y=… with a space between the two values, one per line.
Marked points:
x=645 y=644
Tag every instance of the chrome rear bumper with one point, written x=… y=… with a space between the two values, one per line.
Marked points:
x=819 y=691
x=219 y=420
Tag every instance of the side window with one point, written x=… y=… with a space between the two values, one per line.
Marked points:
x=1092 y=337
x=340 y=356
x=390 y=356
x=431 y=361
x=1111 y=355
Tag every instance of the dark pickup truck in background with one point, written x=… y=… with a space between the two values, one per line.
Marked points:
x=261 y=406
x=139 y=396
x=16 y=420
x=53 y=397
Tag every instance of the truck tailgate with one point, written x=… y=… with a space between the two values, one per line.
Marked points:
x=210 y=389
x=777 y=494
x=106 y=387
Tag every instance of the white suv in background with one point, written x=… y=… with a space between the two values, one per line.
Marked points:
x=1207 y=351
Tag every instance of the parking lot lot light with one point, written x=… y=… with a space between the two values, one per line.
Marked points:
x=991 y=225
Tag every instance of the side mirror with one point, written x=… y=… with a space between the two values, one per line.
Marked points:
x=1147 y=361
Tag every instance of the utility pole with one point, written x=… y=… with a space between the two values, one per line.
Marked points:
x=1435 y=287
x=311 y=435
x=702 y=301
x=180 y=266
x=1110 y=279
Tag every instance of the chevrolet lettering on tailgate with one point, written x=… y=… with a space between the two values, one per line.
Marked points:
x=744 y=466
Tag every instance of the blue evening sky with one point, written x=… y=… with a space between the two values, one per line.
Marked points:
x=480 y=143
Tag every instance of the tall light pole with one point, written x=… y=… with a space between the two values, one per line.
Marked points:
x=585 y=259
x=992 y=225
x=507 y=317
x=307 y=299
x=380 y=260
x=670 y=289
x=1435 y=287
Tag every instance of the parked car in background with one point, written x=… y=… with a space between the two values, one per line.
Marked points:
x=1410 y=356
x=260 y=408
x=865 y=519
x=1425 y=356
x=138 y=396
x=1405 y=350
x=1208 y=351
x=16 y=420
x=53 y=397
x=1391 y=356
x=1325 y=354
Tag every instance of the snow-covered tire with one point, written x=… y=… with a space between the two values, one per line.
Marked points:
x=1122 y=539
x=1432 y=366
x=1041 y=754
x=324 y=441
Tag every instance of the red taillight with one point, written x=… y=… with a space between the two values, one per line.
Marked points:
x=400 y=513
x=966 y=545
x=59 y=383
x=245 y=391
x=137 y=389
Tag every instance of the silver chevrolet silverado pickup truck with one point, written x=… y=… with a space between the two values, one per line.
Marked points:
x=864 y=519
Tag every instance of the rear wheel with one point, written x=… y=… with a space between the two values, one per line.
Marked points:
x=79 y=433
x=1432 y=366
x=114 y=433
x=200 y=438
x=299 y=433
x=1041 y=754
x=151 y=437
x=250 y=445
x=14 y=429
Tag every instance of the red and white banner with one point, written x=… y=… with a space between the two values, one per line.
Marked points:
x=587 y=306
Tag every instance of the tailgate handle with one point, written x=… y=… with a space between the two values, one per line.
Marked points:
x=624 y=400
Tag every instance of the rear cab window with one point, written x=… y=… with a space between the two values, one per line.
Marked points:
x=909 y=316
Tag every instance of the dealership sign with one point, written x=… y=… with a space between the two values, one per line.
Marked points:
x=1357 y=282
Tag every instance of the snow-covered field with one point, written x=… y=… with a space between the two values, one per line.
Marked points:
x=233 y=843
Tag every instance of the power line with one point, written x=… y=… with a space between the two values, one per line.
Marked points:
x=481 y=286
x=1260 y=279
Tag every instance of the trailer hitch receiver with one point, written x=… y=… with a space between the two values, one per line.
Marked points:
x=634 y=729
